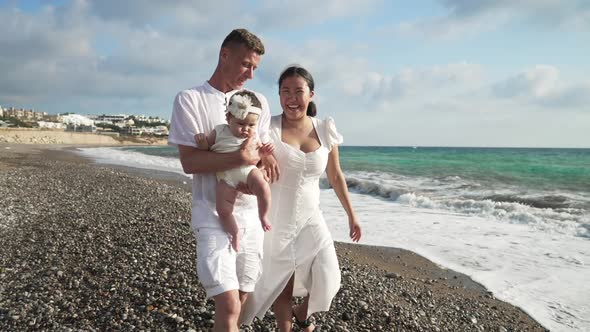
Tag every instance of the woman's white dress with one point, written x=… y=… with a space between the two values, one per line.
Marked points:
x=299 y=242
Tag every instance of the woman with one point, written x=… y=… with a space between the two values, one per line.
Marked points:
x=299 y=255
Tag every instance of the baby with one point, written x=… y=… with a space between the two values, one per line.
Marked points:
x=243 y=112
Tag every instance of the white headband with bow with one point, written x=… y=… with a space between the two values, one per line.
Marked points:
x=240 y=105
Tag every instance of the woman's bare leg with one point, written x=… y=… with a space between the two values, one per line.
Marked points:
x=282 y=307
x=300 y=313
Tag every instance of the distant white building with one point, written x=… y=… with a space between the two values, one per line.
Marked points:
x=150 y=119
x=79 y=123
x=51 y=125
x=157 y=130
x=76 y=119
x=132 y=130
x=111 y=118
x=1 y=111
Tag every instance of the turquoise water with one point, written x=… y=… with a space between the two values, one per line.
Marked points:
x=567 y=169
x=540 y=178
x=519 y=185
x=542 y=169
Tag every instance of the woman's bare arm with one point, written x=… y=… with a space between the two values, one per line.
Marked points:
x=338 y=183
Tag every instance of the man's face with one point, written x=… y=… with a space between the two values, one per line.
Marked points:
x=239 y=64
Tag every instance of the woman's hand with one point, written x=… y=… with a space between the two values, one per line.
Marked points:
x=355 y=229
x=270 y=168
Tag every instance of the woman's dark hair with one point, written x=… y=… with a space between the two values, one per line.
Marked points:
x=303 y=73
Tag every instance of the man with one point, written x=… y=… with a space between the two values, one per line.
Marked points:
x=227 y=276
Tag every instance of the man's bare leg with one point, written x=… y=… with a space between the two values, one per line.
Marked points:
x=227 y=311
x=225 y=200
x=261 y=189
x=243 y=297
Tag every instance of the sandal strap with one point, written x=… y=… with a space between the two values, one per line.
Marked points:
x=302 y=323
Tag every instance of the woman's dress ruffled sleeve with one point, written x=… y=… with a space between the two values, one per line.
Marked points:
x=331 y=133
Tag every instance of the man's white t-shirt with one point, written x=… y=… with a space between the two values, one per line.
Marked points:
x=199 y=110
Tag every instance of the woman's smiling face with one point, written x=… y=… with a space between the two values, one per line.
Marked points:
x=295 y=95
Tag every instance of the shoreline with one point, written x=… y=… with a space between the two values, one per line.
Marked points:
x=420 y=293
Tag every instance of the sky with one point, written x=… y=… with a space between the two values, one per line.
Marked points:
x=490 y=73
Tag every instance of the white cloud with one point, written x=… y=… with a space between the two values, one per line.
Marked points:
x=293 y=14
x=425 y=82
x=575 y=96
x=139 y=49
x=542 y=85
x=466 y=17
x=538 y=82
x=549 y=13
x=174 y=12
x=37 y=52
x=55 y=54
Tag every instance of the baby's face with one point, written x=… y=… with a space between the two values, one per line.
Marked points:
x=243 y=128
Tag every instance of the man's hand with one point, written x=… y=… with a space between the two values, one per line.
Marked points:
x=249 y=152
x=270 y=168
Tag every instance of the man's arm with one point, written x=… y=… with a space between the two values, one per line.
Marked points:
x=194 y=160
x=185 y=123
x=205 y=142
x=201 y=140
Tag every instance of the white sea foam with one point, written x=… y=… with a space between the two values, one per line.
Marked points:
x=452 y=194
x=546 y=219
x=544 y=272
x=115 y=156
x=535 y=258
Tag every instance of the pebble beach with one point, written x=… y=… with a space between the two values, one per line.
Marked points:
x=95 y=248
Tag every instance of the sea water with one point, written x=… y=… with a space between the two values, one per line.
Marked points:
x=515 y=220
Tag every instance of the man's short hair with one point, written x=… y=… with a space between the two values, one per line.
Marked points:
x=244 y=37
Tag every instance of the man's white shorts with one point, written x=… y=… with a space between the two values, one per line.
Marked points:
x=220 y=268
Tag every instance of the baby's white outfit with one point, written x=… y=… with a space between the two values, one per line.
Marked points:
x=226 y=142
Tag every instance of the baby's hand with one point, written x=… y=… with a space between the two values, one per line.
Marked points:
x=201 y=140
x=266 y=149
